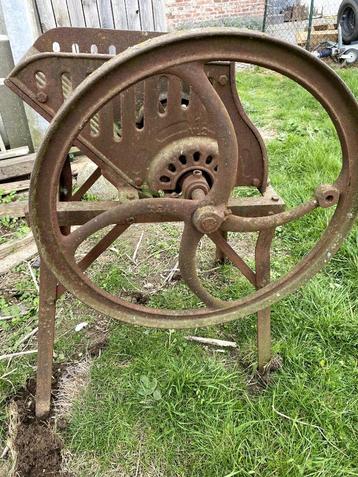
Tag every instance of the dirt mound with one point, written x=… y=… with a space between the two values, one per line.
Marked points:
x=38 y=451
x=35 y=447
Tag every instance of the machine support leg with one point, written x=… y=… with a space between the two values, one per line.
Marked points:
x=219 y=254
x=263 y=338
x=262 y=256
x=46 y=334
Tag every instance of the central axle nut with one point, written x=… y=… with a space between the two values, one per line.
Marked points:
x=208 y=219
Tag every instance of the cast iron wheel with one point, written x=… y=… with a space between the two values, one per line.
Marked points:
x=208 y=214
x=348 y=19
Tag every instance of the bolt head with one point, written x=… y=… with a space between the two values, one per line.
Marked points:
x=208 y=219
x=41 y=97
x=223 y=80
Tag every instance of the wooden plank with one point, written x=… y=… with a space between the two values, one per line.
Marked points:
x=17 y=186
x=91 y=14
x=14 y=209
x=328 y=23
x=13 y=245
x=160 y=18
x=22 y=249
x=105 y=13
x=47 y=17
x=318 y=37
x=119 y=14
x=76 y=13
x=15 y=152
x=62 y=15
x=212 y=341
x=133 y=17
x=146 y=15
x=301 y=38
x=2 y=144
x=20 y=166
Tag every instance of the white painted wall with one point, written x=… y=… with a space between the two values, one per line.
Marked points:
x=23 y=29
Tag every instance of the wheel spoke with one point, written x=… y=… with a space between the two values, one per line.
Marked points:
x=187 y=258
x=97 y=250
x=235 y=223
x=230 y=253
x=140 y=211
x=96 y=174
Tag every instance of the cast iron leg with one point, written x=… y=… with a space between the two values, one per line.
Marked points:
x=219 y=254
x=46 y=334
x=262 y=257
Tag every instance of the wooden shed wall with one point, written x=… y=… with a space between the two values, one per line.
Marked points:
x=119 y=14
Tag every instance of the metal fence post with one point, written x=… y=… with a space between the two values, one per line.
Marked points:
x=265 y=16
x=310 y=21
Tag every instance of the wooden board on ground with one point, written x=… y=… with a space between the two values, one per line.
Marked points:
x=16 y=252
x=17 y=186
x=10 y=169
x=16 y=152
x=16 y=167
x=13 y=245
x=14 y=209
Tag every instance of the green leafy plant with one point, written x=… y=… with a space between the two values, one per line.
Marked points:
x=148 y=388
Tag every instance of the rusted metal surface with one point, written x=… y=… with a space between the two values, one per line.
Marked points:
x=162 y=120
x=262 y=276
x=45 y=339
x=156 y=114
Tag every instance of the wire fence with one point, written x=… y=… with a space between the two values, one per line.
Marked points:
x=306 y=23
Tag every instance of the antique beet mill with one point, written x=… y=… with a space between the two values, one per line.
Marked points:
x=160 y=112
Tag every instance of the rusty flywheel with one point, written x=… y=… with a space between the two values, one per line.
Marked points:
x=185 y=56
x=164 y=124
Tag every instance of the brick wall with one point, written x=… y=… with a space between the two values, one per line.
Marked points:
x=184 y=12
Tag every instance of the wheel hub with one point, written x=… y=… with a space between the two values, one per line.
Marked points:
x=208 y=219
x=179 y=159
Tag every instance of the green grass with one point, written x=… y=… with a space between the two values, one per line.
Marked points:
x=205 y=422
x=168 y=407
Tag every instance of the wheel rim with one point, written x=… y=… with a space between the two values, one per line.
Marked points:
x=229 y=45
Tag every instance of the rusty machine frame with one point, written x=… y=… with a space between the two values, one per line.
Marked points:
x=161 y=113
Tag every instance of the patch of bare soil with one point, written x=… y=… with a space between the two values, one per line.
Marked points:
x=268 y=134
x=35 y=447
